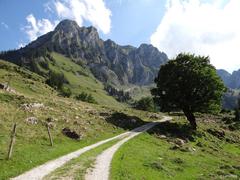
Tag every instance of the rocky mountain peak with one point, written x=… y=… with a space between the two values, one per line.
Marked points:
x=67 y=26
x=92 y=30
x=148 y=48
x=109 y=43
x=145 y=46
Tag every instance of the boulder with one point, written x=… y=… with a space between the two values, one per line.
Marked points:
x=175 y=147
x=162 y=136
x=3 y=86
x=31 y=106
x=155 y=116
x=32 y=120
x=188 y=149
x=179 y=141
x=71 y=134
x=6 y=87
x=219 y=133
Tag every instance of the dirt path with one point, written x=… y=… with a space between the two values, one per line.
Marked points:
x=40 y=171
x=102 y=167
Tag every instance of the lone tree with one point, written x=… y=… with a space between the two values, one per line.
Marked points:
x=189 y=83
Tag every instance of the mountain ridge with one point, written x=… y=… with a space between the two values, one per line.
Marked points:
x=109 y=62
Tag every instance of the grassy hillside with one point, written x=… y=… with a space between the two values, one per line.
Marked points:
x=32 y=147
x=158 y=154
x=81 y=79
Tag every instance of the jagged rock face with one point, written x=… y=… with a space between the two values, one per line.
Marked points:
x=80 y=44
x=108 y=61
x=235 y=80
x=146 y=60
x=225 y=76
x=230 y=80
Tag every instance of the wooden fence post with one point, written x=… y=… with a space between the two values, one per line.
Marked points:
x=49 y=135
x=12 y=141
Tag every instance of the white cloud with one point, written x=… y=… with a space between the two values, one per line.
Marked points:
x=210 y=28
x=21 y=45
x=36 y=27
x=48 y=7
x=4 y=25
x=94 y=12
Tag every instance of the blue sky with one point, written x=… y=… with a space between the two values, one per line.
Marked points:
x=205 y=27
x=128 y=21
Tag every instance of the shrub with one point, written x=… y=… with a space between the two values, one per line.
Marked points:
x=236 y=113
x=65 y=91
x=145 y=104
x=86 y=98
x=56 y=79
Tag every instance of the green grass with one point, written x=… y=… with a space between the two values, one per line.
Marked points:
x=76 y=168
x=150 y=157
x=32 y=146
x=24 y=81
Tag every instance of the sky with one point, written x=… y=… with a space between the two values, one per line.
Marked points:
x=204 y=27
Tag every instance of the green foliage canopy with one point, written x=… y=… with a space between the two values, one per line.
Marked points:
x=189 y=83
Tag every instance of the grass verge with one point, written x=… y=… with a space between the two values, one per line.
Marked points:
x=155 y=155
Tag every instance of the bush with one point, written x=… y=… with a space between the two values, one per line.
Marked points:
x=86 y=98
x=145 y=104
x=65 y=91
x=56 y=79
x=237 y=115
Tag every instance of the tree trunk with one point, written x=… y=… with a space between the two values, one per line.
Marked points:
x=191 y=118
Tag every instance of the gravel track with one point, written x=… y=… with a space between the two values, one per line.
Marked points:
x=102 y=166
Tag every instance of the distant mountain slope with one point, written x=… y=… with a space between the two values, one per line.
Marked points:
x=77 y=78
x=230 y=80
x=108 y=61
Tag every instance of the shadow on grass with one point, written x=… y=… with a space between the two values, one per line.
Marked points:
x=174 y=130
x=125 y=121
